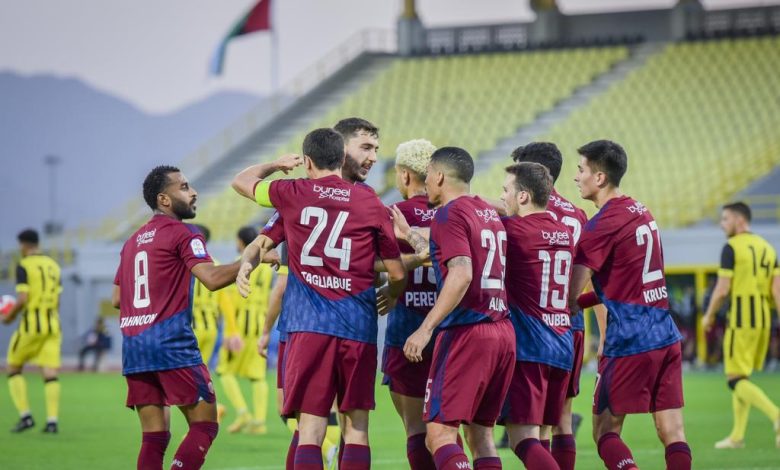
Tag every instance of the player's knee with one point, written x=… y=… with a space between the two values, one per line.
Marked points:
x=732 y=383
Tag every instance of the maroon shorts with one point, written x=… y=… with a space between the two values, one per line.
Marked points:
x=641 y=383
x=470 y=373
x=174 y=387
x=280 y=366
x=404 y=377
x=319 y=368
x=536 y=394
x=579 y=351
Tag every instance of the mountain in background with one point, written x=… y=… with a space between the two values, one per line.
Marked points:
x=106 y=146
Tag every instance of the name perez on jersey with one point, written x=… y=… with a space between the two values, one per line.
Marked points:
x=327 y=282
x=420 y=299
x=655 y=294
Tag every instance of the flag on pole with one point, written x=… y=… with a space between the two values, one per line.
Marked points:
x=258 y=18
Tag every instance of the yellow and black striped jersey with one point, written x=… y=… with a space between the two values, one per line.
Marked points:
x=208 y=305
x=250 y=312
x=751 y=263
x=39 y=276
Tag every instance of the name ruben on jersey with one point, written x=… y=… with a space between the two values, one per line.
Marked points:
x=557 y=237
x=335 y=194
x=488 y=215
x=424 y=214
x=146 y=237
x=562 y=203
x=637 y=208
x=327 y=282
x=557 y=319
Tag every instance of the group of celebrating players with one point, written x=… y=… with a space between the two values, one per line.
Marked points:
x=484 y=297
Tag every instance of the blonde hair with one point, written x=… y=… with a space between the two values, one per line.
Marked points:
x=415 y=155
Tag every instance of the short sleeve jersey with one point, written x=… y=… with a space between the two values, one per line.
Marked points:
x=420 y=293
x=470 y=227
x=39 y=276
x=751 y=263
x=334 y=230
x=540 y=254
x=574 y=218
x=622 y=246
x=156 y=291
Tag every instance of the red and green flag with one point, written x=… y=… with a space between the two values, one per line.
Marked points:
x=258 y=18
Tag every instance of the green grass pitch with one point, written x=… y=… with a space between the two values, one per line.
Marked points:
x=96 y=431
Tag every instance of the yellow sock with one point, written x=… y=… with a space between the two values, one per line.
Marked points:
x=751 y=394
x=332 y=438
x=260 y=399
x=51 y=390
x=741 y=413
x=18 y=388
x=292 y=425
x=233 y=392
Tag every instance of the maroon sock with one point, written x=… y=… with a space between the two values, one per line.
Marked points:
x=153 y=445
x=356 y=457
x=418 y=455
x=615 y=453
x=290 y=462
x=545 y=443
x=487 y=463
x=564 y=451
x=678 y=456
x=193 y=449
x=451 y=457
x=534 y=456
x=308 y=457
x=341 y=449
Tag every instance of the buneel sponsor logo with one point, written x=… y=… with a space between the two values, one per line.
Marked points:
x=336 y=194
x=557 y=237
x=560 y=203
x=146 y=237
x=424 y=214
x=487 y=215
x=637 y=208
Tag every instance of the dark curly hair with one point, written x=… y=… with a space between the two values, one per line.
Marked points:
x=155 y=183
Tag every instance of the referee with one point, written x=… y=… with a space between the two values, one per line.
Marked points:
x=749 y=270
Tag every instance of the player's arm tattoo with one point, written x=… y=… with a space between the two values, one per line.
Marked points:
x=418 y=242
x=459 y=261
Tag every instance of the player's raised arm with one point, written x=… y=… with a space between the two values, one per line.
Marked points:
x=245 y=182
x=455 y=286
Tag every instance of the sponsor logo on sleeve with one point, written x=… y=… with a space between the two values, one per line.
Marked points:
x=335 y=194
x=198 y=249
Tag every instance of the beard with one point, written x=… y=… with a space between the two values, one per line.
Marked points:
x=183 y=210
x=351 y=170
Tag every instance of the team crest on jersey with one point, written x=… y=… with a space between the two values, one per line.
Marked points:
x=487 y=215
x=146 y=237
x=198 y=249
x=562 y=204
x=637 y=208
x=336 y=194
x=424 y=214
x=557 y=237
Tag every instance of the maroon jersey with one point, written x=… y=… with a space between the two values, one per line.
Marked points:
x=540 y=254
x=470 y=227
x=334 y=231
x=420 y=293
x=564 y=211
x=155 y=293
x=622 y=246
x=574 y=218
